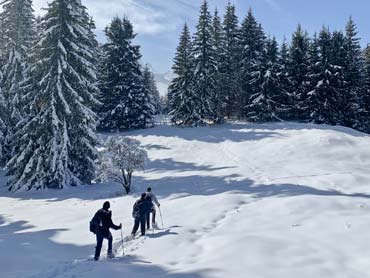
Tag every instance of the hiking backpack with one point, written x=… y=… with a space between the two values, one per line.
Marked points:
x=95 y=223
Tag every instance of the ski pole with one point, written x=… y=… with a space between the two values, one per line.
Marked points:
x=123 y=249
x=160 y=213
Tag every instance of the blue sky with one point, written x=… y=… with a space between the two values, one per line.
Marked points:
x=159 y=22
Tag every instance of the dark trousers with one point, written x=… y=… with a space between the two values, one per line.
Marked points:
x=99 y=243
x=139 y=222
x=148 y=218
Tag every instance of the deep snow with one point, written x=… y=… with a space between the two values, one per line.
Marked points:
x=238 y=200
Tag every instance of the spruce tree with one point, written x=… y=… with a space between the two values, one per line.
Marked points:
x=56 y=148
x=298 y=66
x=218 y=45
x=229 y=65
x=252 y=42
x=286 y=100
x=364 y=112
x=205 y=67
x=123 y=93
x=151 y=87
x=267 y=103
x=181 y=97
x=353 y=77
x=3 y=127
x=323 y=100
x=17 y=23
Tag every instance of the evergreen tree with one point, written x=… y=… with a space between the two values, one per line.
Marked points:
x=3 y=128
x=298 y=66
x=151 y=87
x=56 y=148
x=218 y=45
x=229 y=65
x=353 y=77
x=18 y=33
x=324 y=98
x=266 y=104
x=181 y=97
x=124 y=97
x=205 y=68
x=285 y=99
x=364 y=112
x=252 y=43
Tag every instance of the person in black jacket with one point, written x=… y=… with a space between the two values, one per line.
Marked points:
x=105 y=223
x=139 y=213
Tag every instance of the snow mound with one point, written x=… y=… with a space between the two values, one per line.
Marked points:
x=238 y=200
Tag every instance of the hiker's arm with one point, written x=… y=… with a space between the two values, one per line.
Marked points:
x=155 y=200
x=112 y=225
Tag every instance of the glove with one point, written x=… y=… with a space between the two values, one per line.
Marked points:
x=159 y=205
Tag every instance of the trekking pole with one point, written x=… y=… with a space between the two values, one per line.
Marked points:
x=123 y=249
x=160 y=213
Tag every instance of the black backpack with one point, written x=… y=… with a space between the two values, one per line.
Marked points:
x=95 y=223
x=136 y=211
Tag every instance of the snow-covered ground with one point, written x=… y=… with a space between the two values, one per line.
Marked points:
x=238 y=200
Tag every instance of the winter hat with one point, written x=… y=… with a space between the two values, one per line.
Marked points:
x=149 y=189
x=106 y=205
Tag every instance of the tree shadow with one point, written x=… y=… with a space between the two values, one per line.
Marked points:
x=182 y=187
x=111 y=190
x=164 y=165
x=237 y=131
x=129 y=266
x=34 y=254
x=26 y=251
x=210 y=134
x=98 y=191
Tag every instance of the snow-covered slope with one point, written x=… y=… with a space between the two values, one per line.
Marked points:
x=238 y=200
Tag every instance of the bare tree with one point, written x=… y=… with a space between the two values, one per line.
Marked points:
x=120 y=158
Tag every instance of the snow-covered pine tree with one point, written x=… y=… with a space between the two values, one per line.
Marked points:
x=218 y=45
x=97 y=60
x=229 y=66
x=181 y=97
x=252 y=42
x=328 y=71
x=122 y=88
x=3 y=115
x=266 y=104
x=364 y=117
x=353 y=77
x=205 y=68
x=17 y=23
x=151 y=87
x=298 y=66
x=285 y=99
x=57 y=146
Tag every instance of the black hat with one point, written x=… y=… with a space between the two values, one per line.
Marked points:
x=149 y=189
x=106 y=205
